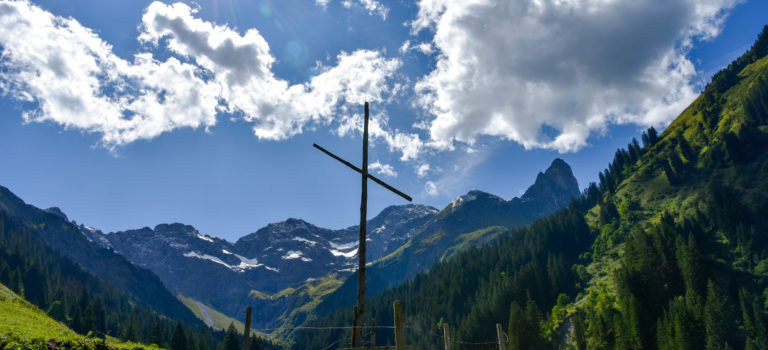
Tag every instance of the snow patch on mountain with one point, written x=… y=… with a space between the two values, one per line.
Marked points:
x=292 y=254
x=302 y=239
x=344 y=246
x=245 y=263
x=206 y=257
x=348 y=254
x=209 y=239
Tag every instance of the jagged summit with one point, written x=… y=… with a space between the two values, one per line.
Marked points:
x=57 y=211
x=555 y=187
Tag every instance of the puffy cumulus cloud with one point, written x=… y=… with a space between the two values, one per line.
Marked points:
x=548 y=73
x=76 y=81
x=383 y=169
x=242 y=65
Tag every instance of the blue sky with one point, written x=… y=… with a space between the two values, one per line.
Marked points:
x=132 y=113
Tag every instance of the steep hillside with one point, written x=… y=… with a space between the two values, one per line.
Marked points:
x=77 y=297
x=70 y=294
x=67 y=239
x=669 y=251
x=24 y=326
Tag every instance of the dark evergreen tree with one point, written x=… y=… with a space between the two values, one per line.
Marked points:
x=179 y=338
x=158 y=335
x=718 y=318
x=231 y=339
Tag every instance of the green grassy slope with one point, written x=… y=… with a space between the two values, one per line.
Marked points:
x=687 y=227
x=24 y=326
x=211 y=317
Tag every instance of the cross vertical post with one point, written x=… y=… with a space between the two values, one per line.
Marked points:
x=358 y=331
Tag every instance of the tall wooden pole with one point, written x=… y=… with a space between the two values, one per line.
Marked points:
x=373 y=333
x=399 y=331
x=446 y=337
x=500 y=337
x=358 y=334
x=247 y=328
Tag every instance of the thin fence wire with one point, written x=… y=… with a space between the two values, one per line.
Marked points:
x=418 y=330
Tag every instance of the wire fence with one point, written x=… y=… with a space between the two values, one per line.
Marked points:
x=418 y=331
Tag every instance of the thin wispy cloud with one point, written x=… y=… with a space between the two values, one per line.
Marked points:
x=373 y=7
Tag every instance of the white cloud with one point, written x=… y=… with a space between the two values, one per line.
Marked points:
x=430 y=188
x=75 y=80
x=424 y=47
x=373 y=6
x=409 y=145
x=383 y=169
x=405 y=47
x=242 y=66
x=422 y=170
x=548 y=73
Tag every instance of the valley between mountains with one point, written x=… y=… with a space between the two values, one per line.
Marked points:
x=286 y=269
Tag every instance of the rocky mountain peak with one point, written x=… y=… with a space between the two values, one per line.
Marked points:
x=176 y=228
x=556 y=186
x=474 y=195
x=57 y=211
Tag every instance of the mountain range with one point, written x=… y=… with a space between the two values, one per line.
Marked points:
x=274 y=267
x=221 y=274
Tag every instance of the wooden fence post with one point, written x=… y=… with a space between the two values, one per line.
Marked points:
x=446 y=337
x=399 y=331
x=373 y=333
x=500 y=337
x=247 y=328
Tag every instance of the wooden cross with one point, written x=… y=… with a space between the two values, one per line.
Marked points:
x=358 y=333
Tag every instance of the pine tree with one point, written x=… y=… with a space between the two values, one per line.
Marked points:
x=158 y=335
x=56 y=311
x=653 y=137
x=718 y=318
x=179 y=338
x=231 y=338
x=517 y=324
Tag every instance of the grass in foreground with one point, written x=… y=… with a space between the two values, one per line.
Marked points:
x=24 y=326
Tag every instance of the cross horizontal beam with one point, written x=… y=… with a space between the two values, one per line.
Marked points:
x=401 y=194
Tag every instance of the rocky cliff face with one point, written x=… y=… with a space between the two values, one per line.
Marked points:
x=553 y=188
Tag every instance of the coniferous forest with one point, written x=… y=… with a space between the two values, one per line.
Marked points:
x=668 y=251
